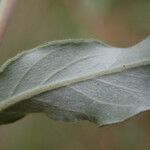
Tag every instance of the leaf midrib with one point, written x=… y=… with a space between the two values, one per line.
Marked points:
x=44 y=88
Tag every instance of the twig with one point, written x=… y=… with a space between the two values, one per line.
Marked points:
x=6 y=8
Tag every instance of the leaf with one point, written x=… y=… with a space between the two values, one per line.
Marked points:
x=74 y=80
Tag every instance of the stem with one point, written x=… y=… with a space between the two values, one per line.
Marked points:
x=6 y=8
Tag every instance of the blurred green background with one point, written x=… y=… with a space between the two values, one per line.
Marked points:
x=117 y=22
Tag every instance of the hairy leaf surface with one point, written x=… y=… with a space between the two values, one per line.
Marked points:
x=77 y=80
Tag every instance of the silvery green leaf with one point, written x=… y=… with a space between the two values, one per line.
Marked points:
x=77 y=80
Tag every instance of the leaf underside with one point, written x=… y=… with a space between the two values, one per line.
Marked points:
x=77 y=80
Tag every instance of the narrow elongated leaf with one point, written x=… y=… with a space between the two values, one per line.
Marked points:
x=77 y=80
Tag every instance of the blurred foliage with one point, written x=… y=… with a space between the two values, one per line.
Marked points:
x=117 y=22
